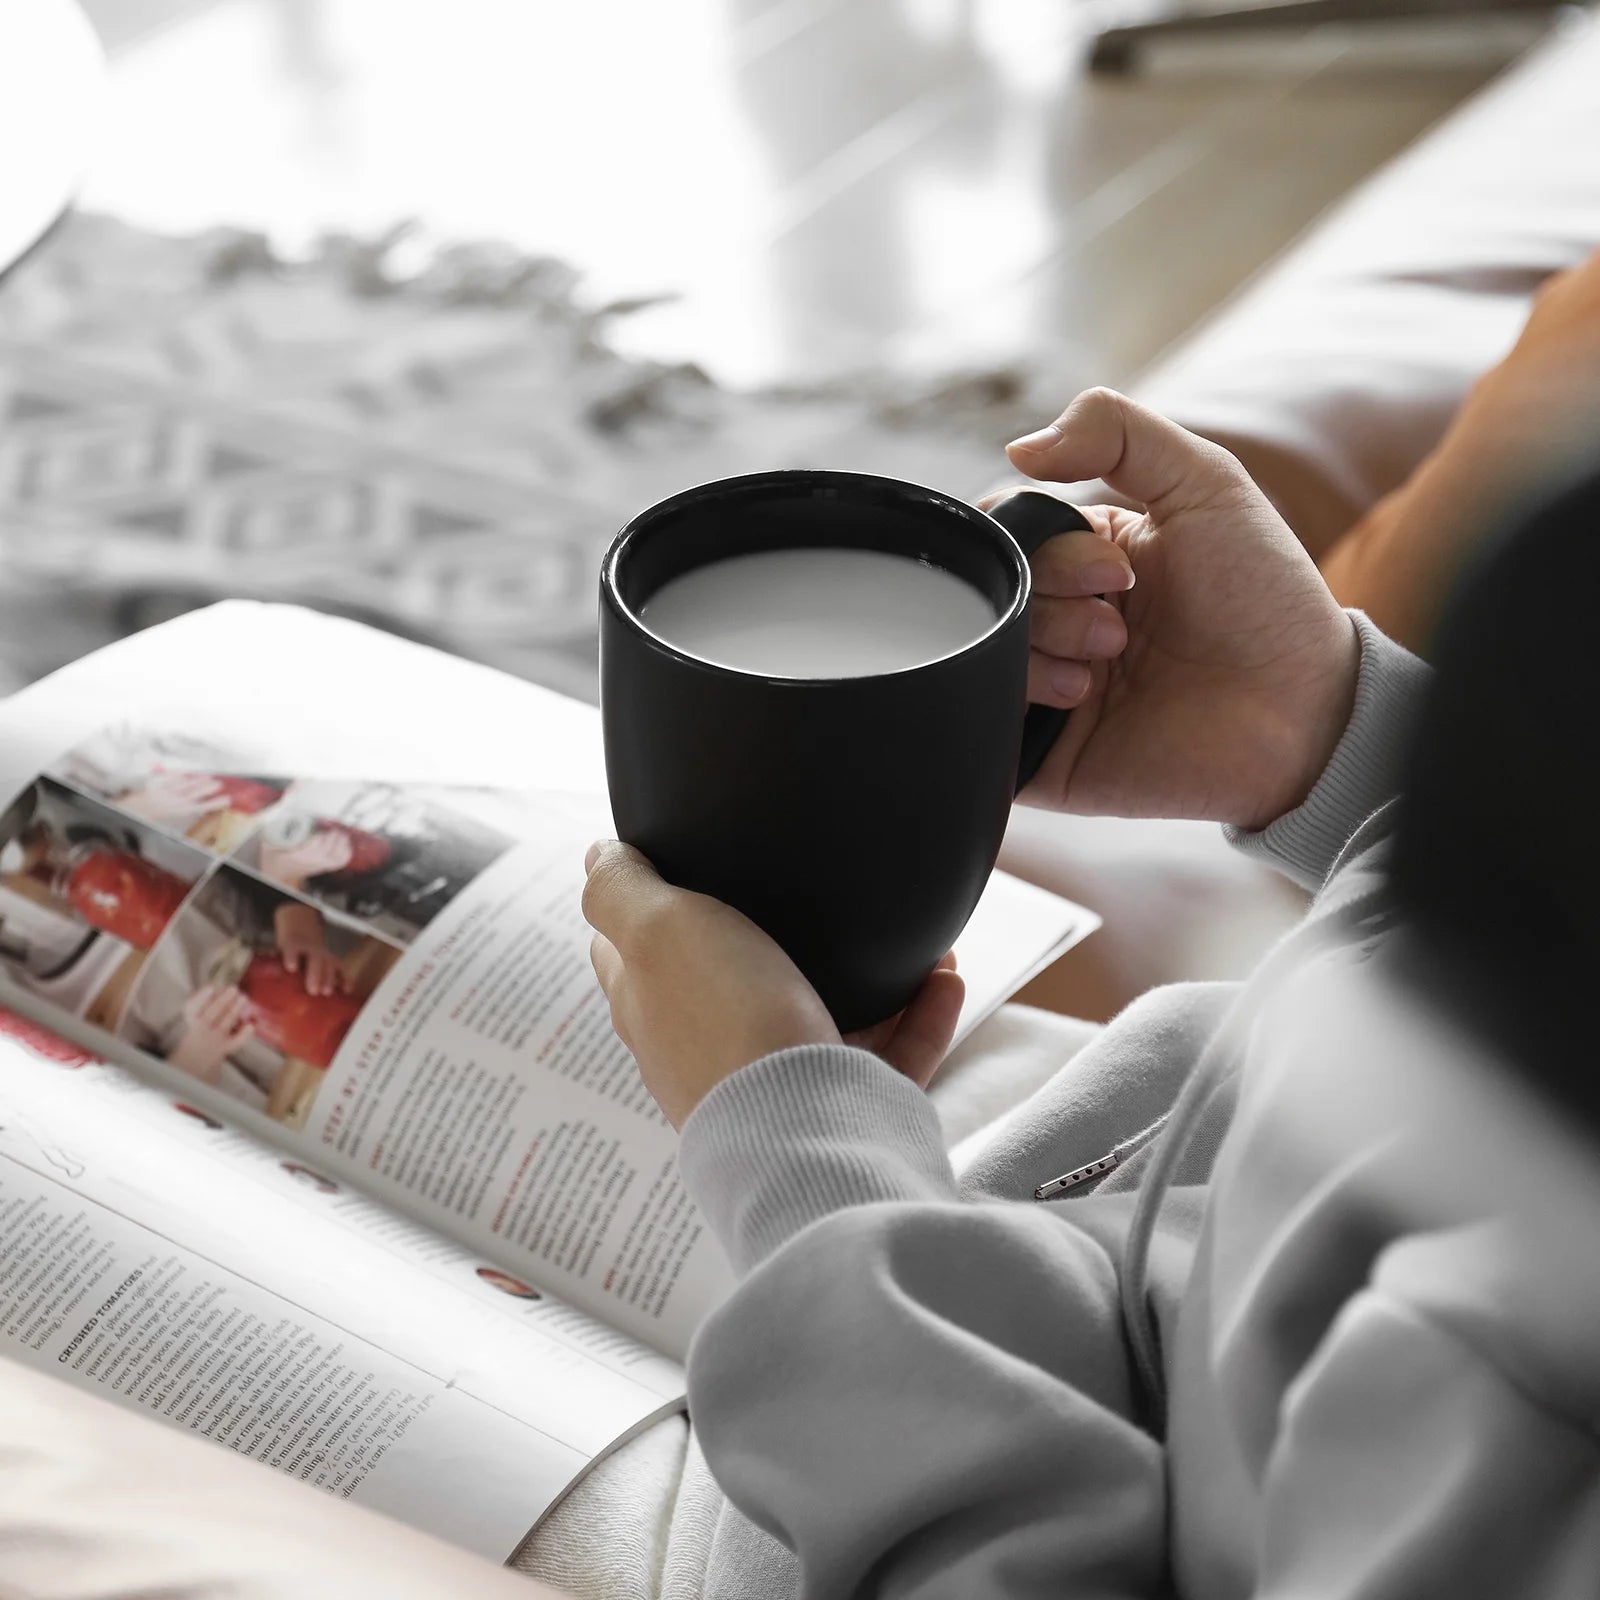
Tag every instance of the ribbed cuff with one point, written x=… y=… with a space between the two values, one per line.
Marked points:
x=1363 y=772
x=803 y=1133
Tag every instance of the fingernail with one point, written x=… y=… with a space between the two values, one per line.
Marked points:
x=1106 y=577
x=593 y=855
x=1069 y=679
x=1105 y=637
x=1042 y=440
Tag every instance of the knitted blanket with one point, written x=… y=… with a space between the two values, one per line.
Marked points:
x=438 y=440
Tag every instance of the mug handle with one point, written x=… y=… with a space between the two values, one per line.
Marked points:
x=1030 y=516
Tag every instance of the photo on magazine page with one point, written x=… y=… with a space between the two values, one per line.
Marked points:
x=173 y=782
x=253 y=991
x=386 y=855
x=85 y=894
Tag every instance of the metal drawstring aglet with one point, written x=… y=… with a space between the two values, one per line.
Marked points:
x=1071 y=1180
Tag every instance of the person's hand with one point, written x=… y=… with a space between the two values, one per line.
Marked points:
x=1216 y=675
x=326 y=850
x=302 y=948
x=216 y=1022
x=697 y=990
x=176 y=799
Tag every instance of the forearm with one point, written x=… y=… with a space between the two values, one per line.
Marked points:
x=1363 y=772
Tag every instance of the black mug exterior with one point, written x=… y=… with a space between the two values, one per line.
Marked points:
x=856 y=820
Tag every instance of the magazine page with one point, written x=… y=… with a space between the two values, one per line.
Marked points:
x=388 y=978
x=149 y=1255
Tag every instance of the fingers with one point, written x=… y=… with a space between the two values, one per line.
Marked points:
x=1054 y=682
x=609 y=969
x=623 y=897
x=875 y=1038
x=209 y=1005
x=1078 y=630
x=197 y=787
x=1072 y=565
x=927 y=1026
x=1069 y=627
x=880 y=1037
x=324 y=973
x=237 y=1013
x=1103 y=434
x=1067 y=639
x=221 y=1011
x=607 y=963
x=327 y=850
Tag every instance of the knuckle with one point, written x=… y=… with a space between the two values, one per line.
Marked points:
x=654 y=928
x=623 y=900
x=1220 y=459
x=1053 y=617
x=599 y=893
x=1098 y=402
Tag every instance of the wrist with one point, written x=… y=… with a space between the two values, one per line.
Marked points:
x=681 y=1092
x=297 y=924
x=1304 y=731
x=1363 y=773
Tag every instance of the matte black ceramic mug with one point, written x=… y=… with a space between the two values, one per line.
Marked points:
x=856 y=820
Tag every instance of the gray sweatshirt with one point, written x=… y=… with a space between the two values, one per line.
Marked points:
x=1289 y=1343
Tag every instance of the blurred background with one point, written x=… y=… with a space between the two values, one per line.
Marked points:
x=400 y=309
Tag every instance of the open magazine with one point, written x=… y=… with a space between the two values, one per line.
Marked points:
x=315 y=1138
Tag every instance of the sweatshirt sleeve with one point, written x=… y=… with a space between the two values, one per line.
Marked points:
x=1363 y=772
x=803 y=1133
x=918 y=1396
x=1487 y=1488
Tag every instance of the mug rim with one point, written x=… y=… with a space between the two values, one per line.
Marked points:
x=612 y=592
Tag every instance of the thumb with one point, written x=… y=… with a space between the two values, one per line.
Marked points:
x=926 y=1027
x=1139 y=453
x=623 y=893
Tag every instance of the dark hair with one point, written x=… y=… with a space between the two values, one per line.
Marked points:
x=1496 y=868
